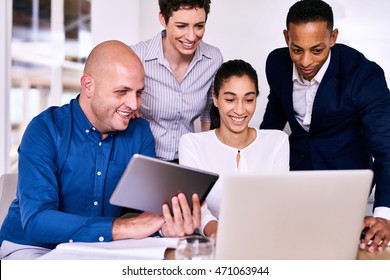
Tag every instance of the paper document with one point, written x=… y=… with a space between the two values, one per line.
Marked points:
x=137 y=249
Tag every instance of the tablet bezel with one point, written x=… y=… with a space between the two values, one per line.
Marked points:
x=147 y=183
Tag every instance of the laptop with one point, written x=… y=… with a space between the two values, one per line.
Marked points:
x=147 y=183
x=293 y=215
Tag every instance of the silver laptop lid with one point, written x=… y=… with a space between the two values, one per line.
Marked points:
x=293 y=215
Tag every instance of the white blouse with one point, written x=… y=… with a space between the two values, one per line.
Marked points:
x=269 y=152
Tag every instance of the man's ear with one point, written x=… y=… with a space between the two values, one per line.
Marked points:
x=333 y=37
x=87 y=85
x=286 y=37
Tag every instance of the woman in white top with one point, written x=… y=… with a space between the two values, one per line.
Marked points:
x=233 y=147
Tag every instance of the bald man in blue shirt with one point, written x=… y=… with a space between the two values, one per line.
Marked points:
x=72 y=157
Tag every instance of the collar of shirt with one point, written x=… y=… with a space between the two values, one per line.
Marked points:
x=304 y=93
x=155 y=50
x=84 y=124
x=317 y=78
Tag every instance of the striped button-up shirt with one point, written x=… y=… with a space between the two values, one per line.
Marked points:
x=172 y=107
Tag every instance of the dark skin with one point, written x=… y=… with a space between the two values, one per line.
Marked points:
x=377 y=236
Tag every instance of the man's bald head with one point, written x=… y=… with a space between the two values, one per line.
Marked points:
x=108 y=54
x=111 y=86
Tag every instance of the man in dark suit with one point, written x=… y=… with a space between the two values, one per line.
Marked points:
x=337 y=105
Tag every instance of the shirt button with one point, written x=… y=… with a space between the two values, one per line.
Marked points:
x=95 y=203
x=87 y=131
x=70 y=240
x=100 y=143
x=101 y=238
x=99 y=173
x=93 y=128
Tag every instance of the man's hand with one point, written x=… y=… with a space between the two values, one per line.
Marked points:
x=377 y=235
x=184 y=221
x=141 y=226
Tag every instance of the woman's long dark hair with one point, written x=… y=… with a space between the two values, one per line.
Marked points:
x=228 y=69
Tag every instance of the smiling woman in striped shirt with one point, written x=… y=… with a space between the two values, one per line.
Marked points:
x=179 y=73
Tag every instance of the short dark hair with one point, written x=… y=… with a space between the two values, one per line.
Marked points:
x=167 y=7
x=231 y=68
x=305 y=11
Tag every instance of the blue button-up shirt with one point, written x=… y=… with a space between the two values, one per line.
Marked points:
x=67 y=174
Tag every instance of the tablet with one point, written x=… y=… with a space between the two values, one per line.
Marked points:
x=148 y=183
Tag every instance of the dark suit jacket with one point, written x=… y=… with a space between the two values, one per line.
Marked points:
x=350 y=121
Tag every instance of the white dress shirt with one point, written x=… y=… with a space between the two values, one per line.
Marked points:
x=304 y=93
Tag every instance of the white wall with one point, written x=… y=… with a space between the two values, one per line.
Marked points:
x=118 y=19
x=250 y=29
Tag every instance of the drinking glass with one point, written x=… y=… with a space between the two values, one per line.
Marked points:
x=195 y=247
